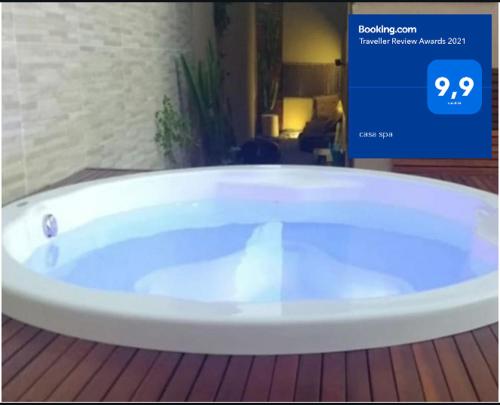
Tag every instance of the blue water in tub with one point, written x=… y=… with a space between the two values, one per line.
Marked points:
x=241 y=251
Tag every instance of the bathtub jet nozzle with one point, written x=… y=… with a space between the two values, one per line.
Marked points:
x=49 y=225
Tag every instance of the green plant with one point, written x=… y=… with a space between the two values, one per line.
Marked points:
x=171 y=129
x=269 y=59
x=204 y=81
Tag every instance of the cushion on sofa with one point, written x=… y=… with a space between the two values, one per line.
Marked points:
x=319 y=126
x=325 y=107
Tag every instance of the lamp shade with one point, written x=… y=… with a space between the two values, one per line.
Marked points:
x=270 y=125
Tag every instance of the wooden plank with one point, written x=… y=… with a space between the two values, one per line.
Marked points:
x=429 y=171
x=469 y=163
x=451 y=178
x=472 y=181
x=209 y=380
x=459 y=178
x=234 y=381
x=406 y=374
x=477 y=182
x=157 y=377
x=492 y=183
x=36 y=368
x=21 y=339
x=494 y=329
x=382 y=378
x=125 y=386
x=284 y=378
x=10 y=328
x=488 y=345
x=24 y=355
x=460 y=386
x=489 y=181
x=358 y=380
x=104 y=378
x=486 y=182
x=179 y=387
x=259 y=379
x=49 y=381
x=478 y=369
x=333 y=383
x=429 y=369
x=308 y=387
x=81 y=374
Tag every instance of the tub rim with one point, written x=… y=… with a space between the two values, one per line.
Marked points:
x=315 y=326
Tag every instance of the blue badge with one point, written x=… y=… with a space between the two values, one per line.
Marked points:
x=454 y=86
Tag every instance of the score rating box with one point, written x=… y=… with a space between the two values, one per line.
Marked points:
x=454 y=86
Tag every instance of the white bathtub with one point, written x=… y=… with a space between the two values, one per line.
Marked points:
x=165 y=311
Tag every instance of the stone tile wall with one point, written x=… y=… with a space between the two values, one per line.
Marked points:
x=81 y=84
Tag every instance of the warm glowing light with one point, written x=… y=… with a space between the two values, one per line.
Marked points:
x=340 y=108
x=270 y=125
x=296 y=112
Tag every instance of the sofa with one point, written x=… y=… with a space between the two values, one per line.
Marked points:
x=320 y=131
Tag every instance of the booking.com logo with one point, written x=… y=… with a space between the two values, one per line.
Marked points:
x=382 y=29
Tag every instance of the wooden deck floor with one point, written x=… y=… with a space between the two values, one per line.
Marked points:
x=40 y=365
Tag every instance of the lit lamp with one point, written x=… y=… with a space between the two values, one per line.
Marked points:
x=301 y=82
x=270 y=125
x=339 y=146
x=340 y=109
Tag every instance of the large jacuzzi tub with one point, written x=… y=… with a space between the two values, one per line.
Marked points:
x=253 y=260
